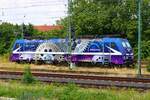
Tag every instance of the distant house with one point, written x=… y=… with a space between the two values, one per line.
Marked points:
x=45 y=28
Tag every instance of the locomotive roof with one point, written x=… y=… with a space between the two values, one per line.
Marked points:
x=107 y=39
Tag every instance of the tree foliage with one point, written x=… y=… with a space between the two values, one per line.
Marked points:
x=145 y=50
x=7 y=36
x=9 y=33
x=101 y=17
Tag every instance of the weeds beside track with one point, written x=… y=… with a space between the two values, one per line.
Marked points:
x=84 y=79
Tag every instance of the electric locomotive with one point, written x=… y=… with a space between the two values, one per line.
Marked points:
x=115 y=51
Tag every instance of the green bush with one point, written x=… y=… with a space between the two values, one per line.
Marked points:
x=148 y=68
x=27 y=76
x=145 y=50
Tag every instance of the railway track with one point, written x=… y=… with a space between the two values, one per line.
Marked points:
x=83 y=79
x=77 y=72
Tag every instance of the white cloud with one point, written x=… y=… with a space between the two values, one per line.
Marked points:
x=32 y=11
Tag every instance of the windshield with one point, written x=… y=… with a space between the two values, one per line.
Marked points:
x=124 y=45
x=128 y=45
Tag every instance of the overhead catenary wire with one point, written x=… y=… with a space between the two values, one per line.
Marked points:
x=13 y=12
x=35 y=5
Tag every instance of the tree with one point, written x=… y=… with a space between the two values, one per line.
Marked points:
x=28 y=30
x=97 y=17
x=7 y=36
x=9 y=33
x=101 y=17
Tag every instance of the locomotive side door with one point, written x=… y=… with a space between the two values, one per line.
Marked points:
x=107 y=53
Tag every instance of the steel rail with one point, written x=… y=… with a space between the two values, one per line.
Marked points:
x=88 y=80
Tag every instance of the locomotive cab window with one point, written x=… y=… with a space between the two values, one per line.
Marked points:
x=16 y=46
x=123 y=44
x=109 y=45
x=128 y=45
x=113 y=45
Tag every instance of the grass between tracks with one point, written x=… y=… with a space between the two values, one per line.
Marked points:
x=56 y=91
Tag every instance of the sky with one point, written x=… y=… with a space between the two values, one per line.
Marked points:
x=36 y=12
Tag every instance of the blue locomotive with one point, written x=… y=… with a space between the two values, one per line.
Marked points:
x=116 y=51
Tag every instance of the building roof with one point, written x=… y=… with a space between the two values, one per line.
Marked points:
x=45 y=28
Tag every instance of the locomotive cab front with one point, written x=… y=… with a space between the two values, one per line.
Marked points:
x=127 y=52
